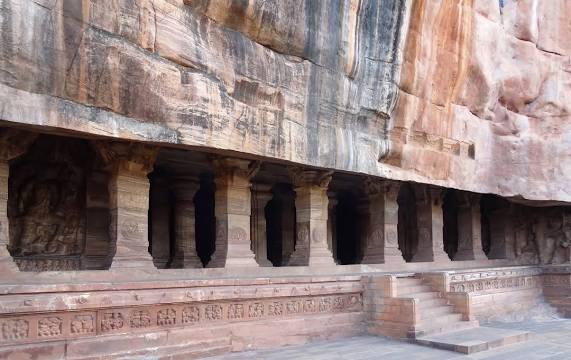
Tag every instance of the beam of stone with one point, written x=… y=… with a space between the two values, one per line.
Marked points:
x=430 y=222
x=233 y=210
x=469 y=229
x=311 y=204
x=261 y=195
x=129 y=201
x=13 y=143
x=382 y=237
x=186 y=255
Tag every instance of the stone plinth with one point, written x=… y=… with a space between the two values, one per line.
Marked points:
x=233 y=209
x=185 y=223
x=430 y=225
x=261 y=195
x=469 y=229
x=311 y=204
x=382 y=238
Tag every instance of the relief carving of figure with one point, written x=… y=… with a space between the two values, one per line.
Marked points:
x=47 y=201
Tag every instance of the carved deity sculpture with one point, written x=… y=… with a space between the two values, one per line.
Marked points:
x=47 y=201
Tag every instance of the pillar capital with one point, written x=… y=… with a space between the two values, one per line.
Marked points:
x=119 y=157
x=185 y=187
x=467 y=199
x=234 y=172
x=374 y=187
x=309 y=178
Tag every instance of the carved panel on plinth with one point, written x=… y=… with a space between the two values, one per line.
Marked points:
x=62 y=325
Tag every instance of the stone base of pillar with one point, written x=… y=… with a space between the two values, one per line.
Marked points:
x=188 y=262
x=265 y=263
x=7 y=264
x=321 y=257
x=388 y=256
x=299 y=257
x=143 y=263
x=465 y=255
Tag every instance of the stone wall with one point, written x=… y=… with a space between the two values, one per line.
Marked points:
x=469 y=95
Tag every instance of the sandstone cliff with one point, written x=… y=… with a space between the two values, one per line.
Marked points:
x=470 y=94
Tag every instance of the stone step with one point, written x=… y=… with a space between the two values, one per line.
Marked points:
x=473 y=340
x=429 y=312
x=428 y=303
x=412 y=289
x=422 y=296
x=408 y=281
x=435 y=319
x=438 y=327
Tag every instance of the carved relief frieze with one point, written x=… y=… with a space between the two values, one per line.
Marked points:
x=50 y=326
x=122 y=320
x=15 y=329
x=496 y=284
x=83 y=324
x=166 y=317
x=140 y=319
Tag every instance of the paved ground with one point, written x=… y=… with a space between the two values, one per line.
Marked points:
x=552 y=340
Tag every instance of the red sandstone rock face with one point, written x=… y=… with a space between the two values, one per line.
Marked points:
x=466 y=94
x=484 y=97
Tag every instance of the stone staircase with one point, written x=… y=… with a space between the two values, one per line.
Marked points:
x=436 y=315
x=438 y=325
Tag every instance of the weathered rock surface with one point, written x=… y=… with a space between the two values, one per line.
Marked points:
x=470 y=94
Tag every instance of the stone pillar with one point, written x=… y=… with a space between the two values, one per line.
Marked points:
x=469 y=228
x=13 y=143
x=430 y=225
x=261 y=195
x=311 y=204
x=382 y=237
x=129 y=203
x=233 y=209
x=184 y=190
x=332 y=224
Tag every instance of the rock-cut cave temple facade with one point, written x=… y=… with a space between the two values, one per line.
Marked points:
x=194 y=177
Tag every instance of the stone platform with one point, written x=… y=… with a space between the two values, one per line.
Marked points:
x=550 y=341
x=474 y=340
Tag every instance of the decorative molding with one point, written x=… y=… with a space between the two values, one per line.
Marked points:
x=72 y=324
x=496 y=284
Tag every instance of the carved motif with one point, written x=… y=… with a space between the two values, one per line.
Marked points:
x=35 y=264
x=112 y=321
x=309 y=306
x=338 y=303
x=83 y=324
x=237 y=235
x=213 y=312
x=256 y=310
x=275 y=309
x=15 y=329
x=294 y=307
x=140 y=319
x=166 y=317
x=325 y=304
x=50 y=326
x=235 y=311
x=494 y=284
x=190 y=314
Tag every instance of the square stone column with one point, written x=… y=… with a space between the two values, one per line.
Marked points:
x=129 y=201
x=185 y=223
x=311 y=204
x=13 y=143
x=160 y=221
x=233 y=209
x=469 y=229
x=129 y=198
x=261 y=195
x=382 y=236
x=430 y=222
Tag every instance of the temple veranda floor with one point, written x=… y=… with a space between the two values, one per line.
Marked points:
x=551 y=339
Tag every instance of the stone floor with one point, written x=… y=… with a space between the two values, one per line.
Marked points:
x=551 y=340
